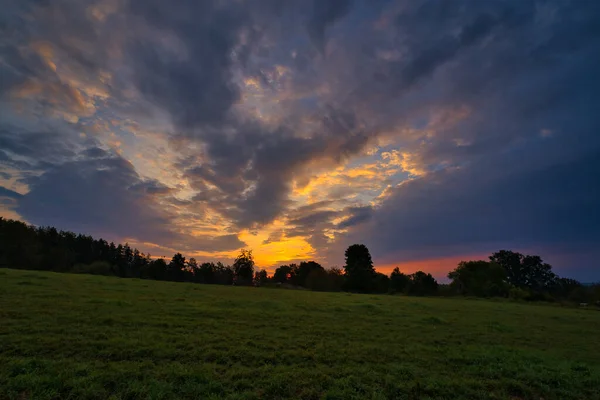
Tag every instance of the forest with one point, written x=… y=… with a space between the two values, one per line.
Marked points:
x=506 y=274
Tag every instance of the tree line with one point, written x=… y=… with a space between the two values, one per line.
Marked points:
x=505 y=274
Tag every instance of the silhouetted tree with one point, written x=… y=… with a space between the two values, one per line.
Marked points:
x=175 y=270
x=119 y=261
x=243 y=268
x=284 y=274
x=336 y=279
x=479 y=278
x=422 y=284
x=155 y=269
x=138 y=263
x=206 y=273
x=318 y=280
x=20 y=246
x=127 y=261
x=260 y=277
x=112 y=255
x=539 y=275
x=381 y=283
x=398 y=281
x=54 y=253
x=191 y=270
x=359 y=268
x=325 y=280
x=565 y=288
x=224 y=274
x=192 y=264
x=300 y=274
x=528 y=272
x=511 y=262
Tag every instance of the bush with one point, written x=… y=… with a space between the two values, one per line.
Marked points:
x=95 y=268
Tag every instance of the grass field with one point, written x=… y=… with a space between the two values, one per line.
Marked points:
x=79 y=337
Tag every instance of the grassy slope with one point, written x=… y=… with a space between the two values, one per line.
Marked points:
x=77 y=336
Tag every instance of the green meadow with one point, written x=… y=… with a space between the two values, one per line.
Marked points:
x=67 y=336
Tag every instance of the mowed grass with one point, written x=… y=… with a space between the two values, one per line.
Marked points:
x=86 y=337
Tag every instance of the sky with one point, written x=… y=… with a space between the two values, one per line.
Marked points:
x=431 y=131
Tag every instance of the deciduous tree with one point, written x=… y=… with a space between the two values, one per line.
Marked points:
x=398 y=281
x=422 y=284
x=479 y=278
x=359 y=268
x=243 y=268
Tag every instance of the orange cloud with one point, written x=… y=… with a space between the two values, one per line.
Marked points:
x=269 y=253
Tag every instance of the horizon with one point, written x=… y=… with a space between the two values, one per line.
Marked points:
x=430 y=132
x=438 y=268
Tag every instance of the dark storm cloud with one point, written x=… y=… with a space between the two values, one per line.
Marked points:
x=39 y=40
x=276 y=236
x=4 y=192
x=251 y=166
x=324 y=14
x=190 y=77
x=154 y=188
x=7 y=160
x=511 y=66
x=189 y=73
x=420 y=52
x=103 y=195
x=94 y=152
x=31 y=144
x=254 y=171
x=195 y=87
x=305 y=221
x=519 y=169
x=311 y=220
x=181 y=58
x=304 y=210
x=216 y=243
x=9 y=199
x=356 y=216
x=16 y=66
x=426 y=60
x=441 y=214
x=25 y=149
x=276 y=162
x=66 y=29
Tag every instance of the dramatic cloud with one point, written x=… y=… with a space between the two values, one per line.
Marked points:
x=102 y=194
x=545 y=207
x=325 y=13
x=519 y=170
x=189 y=73
x=425 y=129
